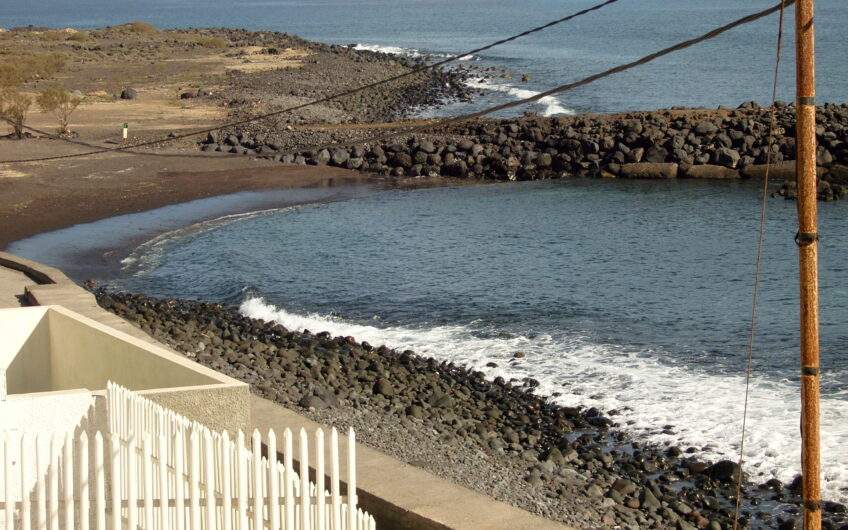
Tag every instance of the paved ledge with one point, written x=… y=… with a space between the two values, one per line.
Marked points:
x=36 y=271
x=220 y=403
x=396 y=494
x=12 y=290
x=402 y=496
x=43 y=285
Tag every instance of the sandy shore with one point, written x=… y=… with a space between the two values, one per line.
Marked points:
x=163 y=82
x=41 y=197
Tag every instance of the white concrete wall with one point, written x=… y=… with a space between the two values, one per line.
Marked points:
x=42 y=415
x=24 y=351
x=49 y=348
x=46 y=413
x=86 y=354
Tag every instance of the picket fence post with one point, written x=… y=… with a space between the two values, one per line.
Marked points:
x=167 y=472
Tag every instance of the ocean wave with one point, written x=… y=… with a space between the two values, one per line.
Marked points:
x=704 y=409
x=148 y=256
x=391 y=50
x=551 y=105
x=410 y=52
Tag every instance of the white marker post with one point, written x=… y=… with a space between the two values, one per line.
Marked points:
x=125 y=130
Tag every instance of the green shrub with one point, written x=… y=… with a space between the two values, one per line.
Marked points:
x=13 y=107
x=58 y=100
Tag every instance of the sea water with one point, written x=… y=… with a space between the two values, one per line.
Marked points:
x=633 y=297
x=735 y=67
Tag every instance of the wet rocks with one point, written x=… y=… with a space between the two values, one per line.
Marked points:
x=700 y=144
x=724 y=471
x=496 y=436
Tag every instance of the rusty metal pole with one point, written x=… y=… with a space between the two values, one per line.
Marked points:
x=807 y=239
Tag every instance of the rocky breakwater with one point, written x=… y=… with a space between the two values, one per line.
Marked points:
x=565 y=463
x=682 y=143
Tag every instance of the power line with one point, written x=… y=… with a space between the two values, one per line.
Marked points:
x=100 y=149
x=749 y=368
x=564 y=88
x=457 y=119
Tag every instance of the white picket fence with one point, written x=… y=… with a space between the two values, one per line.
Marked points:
x=157 y=470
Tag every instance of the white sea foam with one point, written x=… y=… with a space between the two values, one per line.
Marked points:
x=705 y=409
x=552 y=105
x=392 y=50
x=410 y=52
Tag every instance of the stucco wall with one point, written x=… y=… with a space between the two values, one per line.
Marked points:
x=41 y=416
x=89 y=356
x=219 y=407
x=25 y=351
x=46 y=413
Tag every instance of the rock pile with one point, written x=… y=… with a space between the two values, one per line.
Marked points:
x=564 y=463
x=663 y=144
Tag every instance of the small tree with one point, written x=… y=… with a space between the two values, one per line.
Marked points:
x=58 y=100
x=13 y=107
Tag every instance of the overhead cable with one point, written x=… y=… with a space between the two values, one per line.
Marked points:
x=457 y=119
x=100 y=149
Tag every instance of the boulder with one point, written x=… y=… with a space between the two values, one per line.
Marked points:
x=724 y=471
x=727 y=157
x=382 y=386
x=823 y=157
x=340 y=156
x=649 y=170
x=402 y=160
x=706 y=128
x=655 y=155
x=129 y=93
x=783 y=171
x=313 y=402
x=710 y=171
x=322 y=158
x=427 y=147
x=465 y=144
x=838 y=174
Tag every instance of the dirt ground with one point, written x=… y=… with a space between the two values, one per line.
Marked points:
x=42 y=196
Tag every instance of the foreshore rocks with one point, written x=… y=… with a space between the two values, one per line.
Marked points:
x=565 y=463
x=325 y=70
x=691 y=143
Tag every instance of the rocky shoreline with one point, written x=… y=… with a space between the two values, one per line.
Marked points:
x=567 y=464
x=326 y=70
x=663 y=144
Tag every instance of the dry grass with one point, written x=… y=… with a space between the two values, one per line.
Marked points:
x=54 y=35
x=79 y=36
x=144 y=28
x=17 y=69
